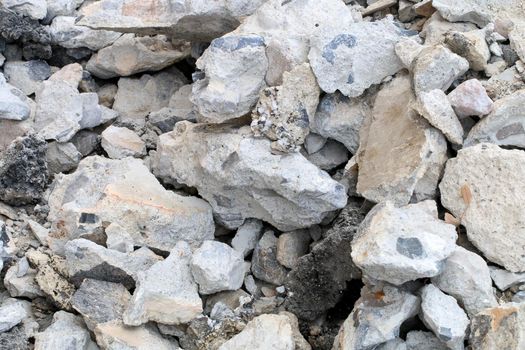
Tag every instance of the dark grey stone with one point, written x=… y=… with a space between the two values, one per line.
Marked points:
x=410 y=247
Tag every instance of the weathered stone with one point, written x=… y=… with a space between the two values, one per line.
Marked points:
x=71 y=73
x=437 y=67
x=407 y=49
x=34 y=9
x=318 y=281
x=330 y=156
x=66 y=33
x=376 y=318
x=466 y=277
x=247 y=236
x=14 y=26
x=118 y=238
x=291 y=246
x=478 y=12
x=283 y=112
x=62 y=157
x=99 y=302
x=122 y=142
x=225 y=92
x=489 y=212
x=231 y=299
x=61 y=8
x=504 y=279
x=166 y=292
x=435 y=107
x=181 y=104
x=39 y=231
x=265 y=265
x=354 y=51
x=403 y=155
x=419 y=340
x=66 y=331
x=137 y=97
x=86 y=259
x=23 y=171
x=117 y=336
x=498 y=328
x=193 y=20
x=12 y=312
x=517 y=39
x=436 y=27
x=398 y=245
x=505 y=126
x=470 y=99
x=314 y=143
x=442 y=314
x=13 y=104
x=26 y=75
x=126 y=193
x=132 y=54
x=242 y=179
x=106 y=94
x=86 y=141
x=470 y=45
x=20 y=281
x=504 y=83
x=94 y=114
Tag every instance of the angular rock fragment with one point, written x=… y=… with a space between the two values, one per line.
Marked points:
x=436 y=28
x=13 y=103
x=34 y=9
x=166 y=292
x=94 y=114
x=470 y=45
x=115 y=335
x=216 y=267
x=470 y=99
x=354 y=51
x=500 y=327
x=436 y=109
x=407 y=49
x=243 y=179
x=265 y=265
x=489 y=212
x=23 y=171
x=376 y=318
x=247 y=236
x=436 y=68
x=66 y=33
x=314 y=143
x=86 y=259
x=466 y=277
x=62 y=157
x=505 y=126
x=401 y=155
x=118 y=238
x=12 y=312
x=283 y=112
x=403 y=244
x=67 y=330
x=419 y=340
x=330 y=156
x=291 y=246
x=478 y=12
x=39 y=231
x=71 y=73
x=126 y=193
x=122 y=142
x=26 y=75
x=132 y=54
x=504 y=279
x=20 y=281
x=442 y=314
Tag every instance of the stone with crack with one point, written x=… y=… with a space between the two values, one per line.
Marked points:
x=283 y=112
x=13 y=103
x=504 y=126
x=166 y=292
x=504 y=279
x=466 y=277
x=240 y=177
x=470 y=99
x=400 y=155
x=247 y=236
x=67 y=330
x=86 y=259
x=442 y=314
x=125 y=192
x=472 y=46
x=265 y=265
x=489 y=212
x=26 y=75
x=122 y=142
x=363 y=53
x=132 y=54
x=435 y=107
x=403 y=244
x=376 y=318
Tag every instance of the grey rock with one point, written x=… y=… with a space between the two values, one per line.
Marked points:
x=265 y=265
x=489 y=212
x=122 y=142
x=62 y=157
x=66 y=331
x=65 y=32
x=437 y=67
x=478 y=12
x=166 y=292
x=216 y=267
x=132 y=54
x=12 y=313
x=403 y=244
x=247 y=236
x=355 y=50
x=466 y=277
x=504 y=126
x=504 y=279
x=23 y=171
x=376 y=318
x=317 y=282
x=94 y=114
x=26 y=75
x=394 y=344
x=442 y=314
x=407 y=49
x=86 y=259
x=118 y=238
x=419 y=340
x=13 y=104
x=21 y=283
x=314 y=142
x=244 y=180
x=34 y=9
x=117 y=336
x=330 y=156
x=71 y=73
x=40 y=232
x=99 y=302
x=61 y=8
x=86 y=141
x=14 y=26
x=291 y=246
x=181 y=103
x=470 y=99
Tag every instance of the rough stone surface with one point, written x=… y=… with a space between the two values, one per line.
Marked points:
x=466 y=277
x=470 y=99
x=403 y=155
x=115 y=335
x=285 y=190
x=217 y=267
x=122 y=142
x=23 y=171
x=13 y=104
x=489 y=213
x=71 y=73
x=166 y=292
x=247 y=236
x=504 y=279
x=265 y=265
x=330 y=156
x=291 y=246
x=472 y=46
x=436 y=27
x=34 y=9
x=126 y=193
x=419 y=340
x=20 y=281
x=62 y=157
x=505 y=126
x=12 y=312
x=66 y=331
x=26 y=75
